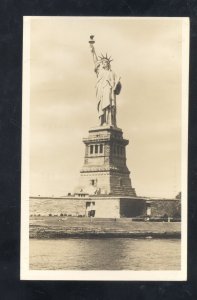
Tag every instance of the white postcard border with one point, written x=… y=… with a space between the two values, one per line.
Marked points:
x=25 y=272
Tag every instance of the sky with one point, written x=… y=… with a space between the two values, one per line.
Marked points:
x=147 y=55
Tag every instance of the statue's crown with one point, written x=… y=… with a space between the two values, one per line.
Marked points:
x=102 y=57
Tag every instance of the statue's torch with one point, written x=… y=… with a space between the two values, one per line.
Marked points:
x=91 y=42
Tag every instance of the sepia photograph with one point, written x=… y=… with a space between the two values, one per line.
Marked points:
x=104 y=148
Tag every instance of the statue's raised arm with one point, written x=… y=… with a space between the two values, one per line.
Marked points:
x=107 y=87
x=91 y=42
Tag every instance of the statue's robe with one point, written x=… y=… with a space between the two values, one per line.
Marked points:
x=106 y=82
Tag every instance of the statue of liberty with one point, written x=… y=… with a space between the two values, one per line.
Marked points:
x=107 y=87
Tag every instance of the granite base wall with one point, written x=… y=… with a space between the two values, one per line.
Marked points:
x=114 y=183
x=102 y=178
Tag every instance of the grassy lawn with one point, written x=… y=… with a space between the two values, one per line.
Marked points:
x=86 y=225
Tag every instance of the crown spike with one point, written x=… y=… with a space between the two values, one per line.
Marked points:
x=101 y=57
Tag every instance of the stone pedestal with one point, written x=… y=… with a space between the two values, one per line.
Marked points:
x=104 y=171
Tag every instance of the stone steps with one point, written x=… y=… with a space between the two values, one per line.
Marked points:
x=123 y=190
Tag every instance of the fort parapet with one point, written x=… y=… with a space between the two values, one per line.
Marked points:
x=105 y=207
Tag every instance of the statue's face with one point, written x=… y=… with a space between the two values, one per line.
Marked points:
x=105 y=64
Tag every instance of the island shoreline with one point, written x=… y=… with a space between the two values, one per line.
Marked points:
x=58 y=228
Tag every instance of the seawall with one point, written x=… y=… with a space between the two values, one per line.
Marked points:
x=73 y=227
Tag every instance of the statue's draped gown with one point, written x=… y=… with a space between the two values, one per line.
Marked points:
x=106 y=81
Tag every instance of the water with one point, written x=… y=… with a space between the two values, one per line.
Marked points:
x=105 y=254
